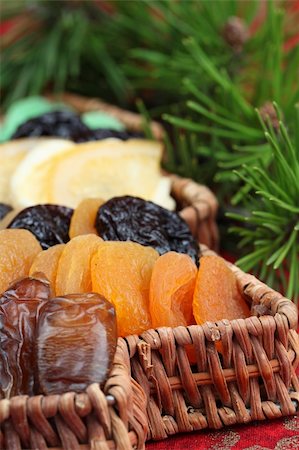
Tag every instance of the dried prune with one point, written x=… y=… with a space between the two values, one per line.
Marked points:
x=4 y=209
x=49 y=223
x=19 y=310
x=64 y=124
x=133 y=219
x=76 y=342
x=67 y=125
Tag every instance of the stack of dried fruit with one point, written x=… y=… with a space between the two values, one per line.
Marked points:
x=147 y=290
x=47 y=170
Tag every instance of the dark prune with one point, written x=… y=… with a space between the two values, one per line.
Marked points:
x=64 y=124
x=4 y=209
x=67 y=125
x=76 y=342
x=49 y=223
x=19 y=310
x=133 y=219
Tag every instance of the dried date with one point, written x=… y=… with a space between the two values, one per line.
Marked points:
x=49 y=223
x=76 y=341
x=19 y=309
x=133 y=219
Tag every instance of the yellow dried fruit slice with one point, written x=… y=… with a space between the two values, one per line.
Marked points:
x=11 y=154
x=105 y=169
x=28 y=184
x=73 y=273
x=18 y=248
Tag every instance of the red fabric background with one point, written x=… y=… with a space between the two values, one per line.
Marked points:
x=280 y=434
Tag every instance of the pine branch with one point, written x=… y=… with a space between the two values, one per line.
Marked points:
x=271 y=228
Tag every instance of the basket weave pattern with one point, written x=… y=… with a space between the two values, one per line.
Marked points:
x=101 y=419
x=252 y=379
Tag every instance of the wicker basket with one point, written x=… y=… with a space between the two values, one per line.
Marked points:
x=253 y=378
x=153 y=392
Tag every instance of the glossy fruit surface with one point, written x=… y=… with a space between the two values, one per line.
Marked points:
x=76 y=342
x=171 y=290
x=121 y=272
x=19 y=309
x=74 y=266
x=134 y=219
x=18 y=248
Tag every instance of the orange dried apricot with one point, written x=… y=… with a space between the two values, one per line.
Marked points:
x=171 y=290
x=121 y=272
x=73 y=272
x=216 y=295
x=47 y=263
x=84 y=217
x=18 y=248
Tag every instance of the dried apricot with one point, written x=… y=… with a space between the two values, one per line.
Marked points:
x=171 y=290
x=216 y=296
x=121 y=272
x=73 y=272
x=47 y=263
x=84 y=217
x=18 y=248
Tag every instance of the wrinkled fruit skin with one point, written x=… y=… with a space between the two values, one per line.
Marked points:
x=4 y=209
x=133 y=219
x=67 y=125
x=76 y=342
x=19 y=310
x=49 y=223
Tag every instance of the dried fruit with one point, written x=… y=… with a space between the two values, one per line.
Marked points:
x=73 y=272
x=121 y=272
x=67 y=125
x=216 y=294
x=49 y=223
x=18 y=248
x=19 y=309
x=76 y=341
x=46 y=262
x=29 y=183
x=64 y=124
x=133 y=219
x=171 y=290
x=104 y=169
x=84 y=217
x=11 y=154
x=4 y=210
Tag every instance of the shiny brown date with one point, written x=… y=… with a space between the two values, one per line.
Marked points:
x=76 y=342
x=19 y=309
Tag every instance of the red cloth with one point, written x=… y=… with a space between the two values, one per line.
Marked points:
x=279 y=434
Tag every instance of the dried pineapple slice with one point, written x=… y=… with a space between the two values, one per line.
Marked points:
x=27 y=185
